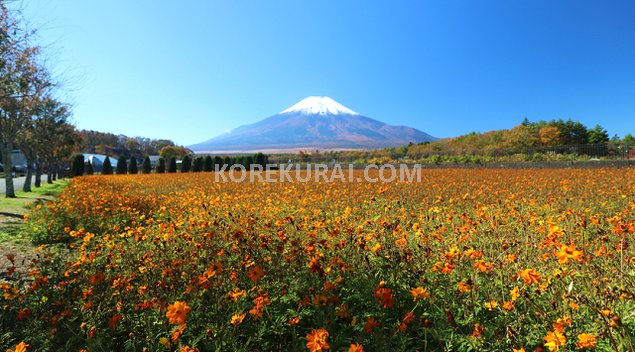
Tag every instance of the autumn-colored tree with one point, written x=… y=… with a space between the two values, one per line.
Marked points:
x=550 y=136
x=521 y=136
x=168 y=152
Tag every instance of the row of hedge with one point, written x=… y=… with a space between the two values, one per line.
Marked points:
x=80 y=166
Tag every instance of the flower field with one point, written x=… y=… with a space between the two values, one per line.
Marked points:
x=466 y=260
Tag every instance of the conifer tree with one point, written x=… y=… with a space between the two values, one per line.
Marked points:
x=122 y=166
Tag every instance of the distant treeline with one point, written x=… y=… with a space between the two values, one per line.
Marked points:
x=111 y=144
x=540 y=140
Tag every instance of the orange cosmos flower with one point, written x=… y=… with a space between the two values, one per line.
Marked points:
x=529 y=276
x=293 y=321
x=463 y=287
x=478 y=330
x=508 y=305
x=21 y=347
x=255 y=273
x=370 y=325
x=385 y=295
x=316 y=340
x=407 y=319
x=554 y=340
x=259 y=305
x=483 y=266
x=586 y=341
x=188 y=349
x=568 y=252
x=177 y=312
x=355 y=347
x=236 y=294
x=114 y=321
x=419 y=293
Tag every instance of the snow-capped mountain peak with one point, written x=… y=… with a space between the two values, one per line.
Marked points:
x=319 y=105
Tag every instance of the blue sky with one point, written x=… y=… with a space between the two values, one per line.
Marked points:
x=190 y=70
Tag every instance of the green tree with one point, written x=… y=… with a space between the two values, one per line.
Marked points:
x=88 y=168
x=172 y=165
x=261 y=159
x=77 y=166
x=629 y=139
x=133 y=168
x=147 y=165
x=197 y=165
x=218 y=162
x=46 y=138
x=208 y=164
x=598 y=135
x=122 y=166
x=23 y=82
x=161 y=165
x=186 y=164
x=107 y=168
x=571 y=132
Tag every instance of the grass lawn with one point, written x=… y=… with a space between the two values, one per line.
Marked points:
x=12 y=210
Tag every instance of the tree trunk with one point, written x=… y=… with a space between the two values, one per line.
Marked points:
x=29 y=175
x=38 y=174
x=56 y=170
x=7 y=149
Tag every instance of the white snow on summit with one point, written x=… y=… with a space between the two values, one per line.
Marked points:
x=319 y=105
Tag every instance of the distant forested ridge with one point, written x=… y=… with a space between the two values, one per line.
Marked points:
x=115 y=145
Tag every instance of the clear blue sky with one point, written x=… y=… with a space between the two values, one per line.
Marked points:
x=190 y=70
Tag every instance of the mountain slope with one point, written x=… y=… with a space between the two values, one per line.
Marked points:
x=314 y=123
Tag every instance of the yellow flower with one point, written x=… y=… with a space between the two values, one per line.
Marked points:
x=165 y=342
x=237 y=319
x=554 y=340
x=515 y=293
x=491 y=305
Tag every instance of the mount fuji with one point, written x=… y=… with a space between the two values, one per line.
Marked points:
x=312 y=123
